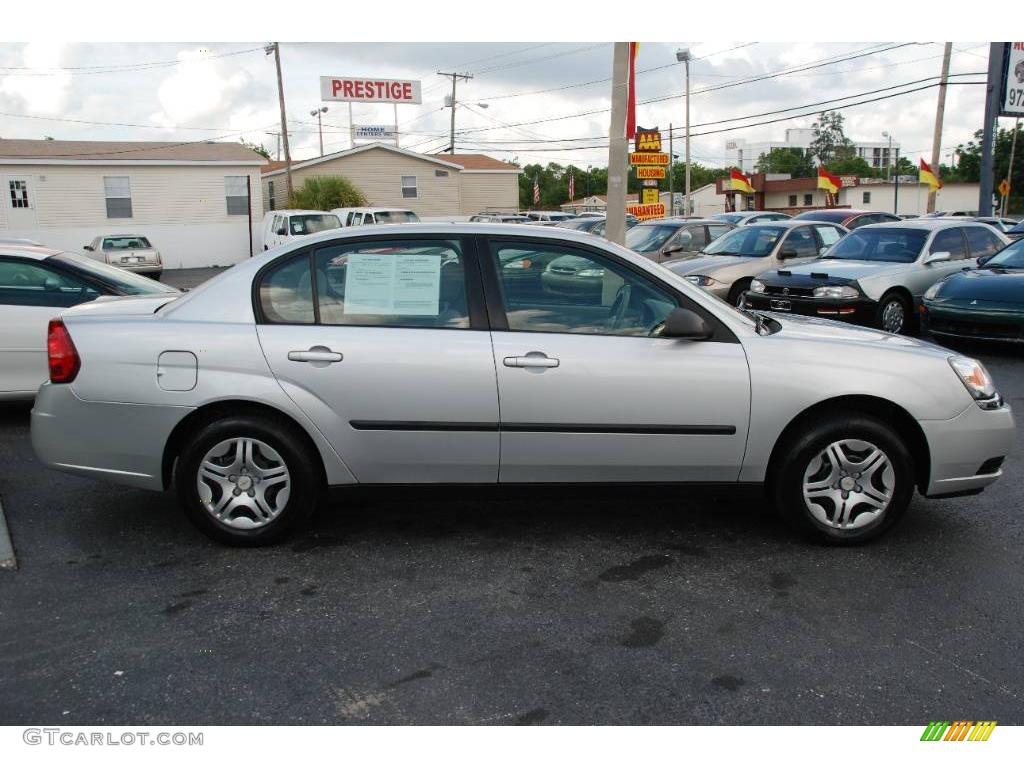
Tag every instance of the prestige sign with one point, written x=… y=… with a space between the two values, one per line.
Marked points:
x=368 y=89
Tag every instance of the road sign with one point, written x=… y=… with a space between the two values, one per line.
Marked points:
x=648 y=196
x=648 y=158
x=655 y=211
x=1013 y=81
x=650 y=172
x=1004 y=188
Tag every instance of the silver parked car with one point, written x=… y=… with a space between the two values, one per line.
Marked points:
x=36 y=284
x=662 y=240
x=131 y=252
x=413 y=355
x=878 y=273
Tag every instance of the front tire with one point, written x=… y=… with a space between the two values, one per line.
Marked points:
x=845 y=481
x=247 y=481
x=893 y=314
x=736 y=292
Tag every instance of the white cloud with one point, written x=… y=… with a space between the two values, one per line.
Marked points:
x=44 y=90
x=198 y=88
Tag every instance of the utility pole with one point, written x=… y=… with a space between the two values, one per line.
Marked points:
x=1009 y=168
x=615 y=226
x=996 y=52
x=683 y=55
x=455 y=76
x=276 y=49
x=896 y=189
x=671 y=185
x=940 y=111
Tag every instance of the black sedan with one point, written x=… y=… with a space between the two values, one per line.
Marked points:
x=986 y=303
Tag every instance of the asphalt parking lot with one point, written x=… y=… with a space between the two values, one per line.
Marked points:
x=483 y=607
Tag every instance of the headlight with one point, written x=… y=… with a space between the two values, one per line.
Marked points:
x=836 y=292
x=756 y=286
x=932 y=292
x=702 y=280
x=590 y=273
x=975 y=378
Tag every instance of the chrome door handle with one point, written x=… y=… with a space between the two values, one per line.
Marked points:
x=531 y=360
x=315 y=355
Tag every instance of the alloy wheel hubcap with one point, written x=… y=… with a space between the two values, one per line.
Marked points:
x=243 y=483
x=849 y=485
x=892 y=317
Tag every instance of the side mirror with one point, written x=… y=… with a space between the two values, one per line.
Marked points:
x=788 y=253
x=685 y=324
x=932 y=258
x=822 y=250
x=685 y=241
x=86 y=247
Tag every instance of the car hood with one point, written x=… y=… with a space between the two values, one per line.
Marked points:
x=805 y=328
x=702 y=264
x=121 y=305
x=844 y=269
x=990 y=285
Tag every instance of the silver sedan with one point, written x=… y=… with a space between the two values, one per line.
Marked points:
x=482 y=353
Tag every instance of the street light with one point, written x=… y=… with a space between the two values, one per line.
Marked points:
x=317 y=113
x=683 y=55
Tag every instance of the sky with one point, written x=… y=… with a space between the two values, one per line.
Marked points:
x=534 y=92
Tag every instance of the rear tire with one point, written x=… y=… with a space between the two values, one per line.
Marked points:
x=844 y=481
x=247 y=481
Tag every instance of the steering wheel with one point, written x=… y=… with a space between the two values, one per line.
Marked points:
x=618 y=311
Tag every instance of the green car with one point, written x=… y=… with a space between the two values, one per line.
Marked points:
x=986 y=304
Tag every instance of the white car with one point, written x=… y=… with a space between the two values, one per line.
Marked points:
x=281 y=227
x=356 y=217
x=132 y=252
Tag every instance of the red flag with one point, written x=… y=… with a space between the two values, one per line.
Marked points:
x=738 y=182
x=828 y=181
x=572 y=186
x=634 y=48
x=927 y=176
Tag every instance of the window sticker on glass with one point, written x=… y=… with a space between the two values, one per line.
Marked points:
x=392 y=284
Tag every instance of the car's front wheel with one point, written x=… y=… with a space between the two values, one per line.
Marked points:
x=844 y=481
x=893 y=313
x=736 y=292
x=247 y=481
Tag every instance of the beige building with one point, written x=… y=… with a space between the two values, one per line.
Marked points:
x=430 y=185
x=197 y=202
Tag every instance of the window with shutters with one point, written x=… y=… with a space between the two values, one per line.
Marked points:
x=118 y=192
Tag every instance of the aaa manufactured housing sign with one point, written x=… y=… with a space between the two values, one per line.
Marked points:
x=648 y=158
x=650 y=172
x=370 y=89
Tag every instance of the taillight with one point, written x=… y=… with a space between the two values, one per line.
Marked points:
x=63 y=357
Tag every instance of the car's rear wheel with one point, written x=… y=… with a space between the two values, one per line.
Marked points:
x=893 y=314
x=247 y=481
x=844 y=481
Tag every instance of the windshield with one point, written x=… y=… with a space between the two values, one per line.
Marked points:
x=308 y=223
x=880 y=244
x=120 y=280
x=125 y=243
x=394 y=217
x=1011 y=257
x=649 y=237
x=754 y=241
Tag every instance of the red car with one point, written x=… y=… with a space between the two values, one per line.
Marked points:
x=847 y=217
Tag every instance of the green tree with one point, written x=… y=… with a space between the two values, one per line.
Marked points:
x=792 y=160
x=830 y=142
x=322 y=193
x=259 y=149
x=968 y=165
x=853 y=166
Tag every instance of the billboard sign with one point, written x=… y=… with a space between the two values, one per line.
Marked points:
x=650 y=172
x=370 y=89
x=642 y=212
x=374 y=132
x=1013 y=82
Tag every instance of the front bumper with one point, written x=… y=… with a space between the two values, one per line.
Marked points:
x=118 y=442
x=861 y=311
x=961 y=323
x=961 y=447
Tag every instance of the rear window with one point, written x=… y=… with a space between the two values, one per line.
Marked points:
x=396 y=217
x=121 y=280
x=125 y=243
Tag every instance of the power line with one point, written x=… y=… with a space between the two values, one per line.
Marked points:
x=111 y=69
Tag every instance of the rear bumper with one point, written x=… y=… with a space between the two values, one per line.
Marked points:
x=118 y=442
x=960 y=447
x=142 y=269
x=860 y=311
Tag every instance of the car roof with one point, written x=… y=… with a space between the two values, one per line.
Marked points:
x=929 y=224
x=37 y=252
x=125 y=235
x=791 y=223
x=683 y=221
x=295 y=211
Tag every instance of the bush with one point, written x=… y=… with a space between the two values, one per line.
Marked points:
x=322 y=193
